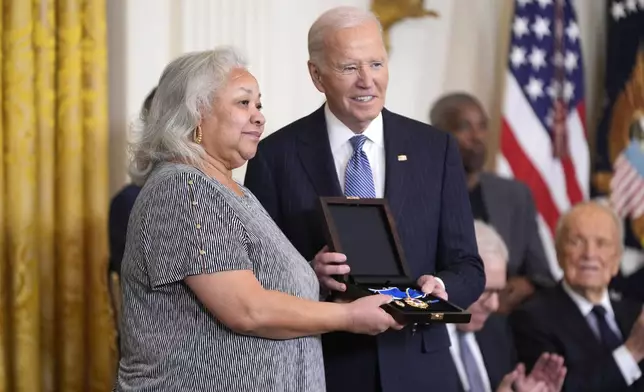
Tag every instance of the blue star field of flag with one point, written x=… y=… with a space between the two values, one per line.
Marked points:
x=534 y=57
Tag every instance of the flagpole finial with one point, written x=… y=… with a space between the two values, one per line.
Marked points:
x=390 y=12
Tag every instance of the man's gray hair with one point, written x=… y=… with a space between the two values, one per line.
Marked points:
x=449 y=104
x=489 y=241
x=333 y=20
x=600 y=203
x=185 y=93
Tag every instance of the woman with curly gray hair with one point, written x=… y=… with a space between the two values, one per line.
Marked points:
x=215 y=298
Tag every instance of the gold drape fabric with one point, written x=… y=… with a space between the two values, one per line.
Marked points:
x=56 y=325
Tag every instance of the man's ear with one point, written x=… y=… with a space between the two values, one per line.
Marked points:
x=316 y=76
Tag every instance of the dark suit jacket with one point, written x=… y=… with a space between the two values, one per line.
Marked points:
x=552 y=322
x=631 y=286
x=512 y=212
x=429 y=201
x=497 y=348
x=120 y=209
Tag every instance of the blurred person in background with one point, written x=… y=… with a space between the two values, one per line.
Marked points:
x=119 y=214
x=506 y=204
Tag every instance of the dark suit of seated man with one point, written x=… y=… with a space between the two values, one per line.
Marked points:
x=631 y=286
x=120 y=209
x=601 y=339
x=504 y=203
x=119 y=216
x=353 y=146
x=121 y=206
x=483 y=351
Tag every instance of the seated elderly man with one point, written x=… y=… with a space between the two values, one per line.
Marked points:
x=601 y=339
x=483 y=351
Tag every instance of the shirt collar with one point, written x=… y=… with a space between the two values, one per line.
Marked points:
x=339 y=134
x=454 y=332
x=583 y=304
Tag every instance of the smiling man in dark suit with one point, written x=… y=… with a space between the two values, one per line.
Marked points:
x=504 y=203
x=353 y=146
x=601 y=339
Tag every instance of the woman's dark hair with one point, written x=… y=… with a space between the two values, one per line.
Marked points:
x=147 y=104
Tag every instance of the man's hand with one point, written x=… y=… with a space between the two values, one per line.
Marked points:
x=635 y=342
x=517 y=381
x=430 y=285
x=325 y=264
x=551 y=370
x=516 y=291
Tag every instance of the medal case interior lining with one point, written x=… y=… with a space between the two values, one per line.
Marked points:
x=364 y=230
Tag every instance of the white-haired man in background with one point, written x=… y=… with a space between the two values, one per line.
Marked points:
x=601 y=338
x=483 y=350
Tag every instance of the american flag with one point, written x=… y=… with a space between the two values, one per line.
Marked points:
x=627 y=185
x=543 y=136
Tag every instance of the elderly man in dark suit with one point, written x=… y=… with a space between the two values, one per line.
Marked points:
x=353 y=146
x=601 y=339
x=483 y=350
x=506 y=204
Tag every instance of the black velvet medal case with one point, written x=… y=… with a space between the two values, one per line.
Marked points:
x=365 y=231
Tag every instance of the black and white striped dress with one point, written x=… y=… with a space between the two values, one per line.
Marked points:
x=185 y=223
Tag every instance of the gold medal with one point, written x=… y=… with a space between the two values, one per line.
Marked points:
x=416 y=303
x=399 y=303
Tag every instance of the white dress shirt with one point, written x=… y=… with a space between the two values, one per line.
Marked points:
x=455 y=350
x=374 y=147
x=341 y=148
x=625 y=361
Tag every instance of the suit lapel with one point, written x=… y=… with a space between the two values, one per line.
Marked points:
x=571 y=318
x=494 y=351
x=624 y=316
x=316 y=157
x=488 y=352
x=395 y=169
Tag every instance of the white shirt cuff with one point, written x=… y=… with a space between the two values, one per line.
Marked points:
x=627 y=365
x=441 y=282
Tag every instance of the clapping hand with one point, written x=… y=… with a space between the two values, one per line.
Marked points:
x=547 y=375
x=517 y=381
x=551 y=370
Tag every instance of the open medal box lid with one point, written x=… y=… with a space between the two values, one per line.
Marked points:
x=364 y=230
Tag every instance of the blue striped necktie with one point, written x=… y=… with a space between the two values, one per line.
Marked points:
x=358 y=179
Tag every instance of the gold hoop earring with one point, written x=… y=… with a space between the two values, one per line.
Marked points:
x=197 y=135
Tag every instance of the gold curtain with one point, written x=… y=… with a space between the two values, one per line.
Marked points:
x=56 y=326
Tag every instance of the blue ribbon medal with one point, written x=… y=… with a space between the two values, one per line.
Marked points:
x=411 y=297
